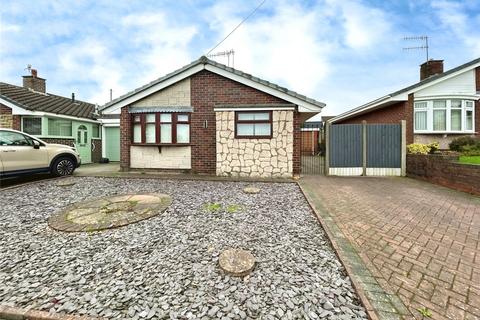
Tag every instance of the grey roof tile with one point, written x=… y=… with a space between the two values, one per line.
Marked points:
x=36 y=101
x=205 y=60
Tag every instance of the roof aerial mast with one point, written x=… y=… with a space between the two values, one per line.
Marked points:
x=424 y=39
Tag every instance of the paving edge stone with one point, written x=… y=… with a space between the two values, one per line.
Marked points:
x=360 y=276
x=12 y=313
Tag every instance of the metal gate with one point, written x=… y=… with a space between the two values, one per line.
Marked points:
x=366 y=149
x=312 y=148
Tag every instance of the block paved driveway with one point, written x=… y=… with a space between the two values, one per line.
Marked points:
x=420 y=241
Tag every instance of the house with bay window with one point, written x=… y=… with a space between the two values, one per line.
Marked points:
x=52 y=118
x=208 y=118
x=439 y=108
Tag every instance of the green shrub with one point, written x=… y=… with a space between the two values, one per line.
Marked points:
x=434 y=146
x=418 y=148
x=469 y=150
x=468 y=142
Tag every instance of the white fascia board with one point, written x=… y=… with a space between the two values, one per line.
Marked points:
x=365 y=108
x=110 y=122
x=450 y=96
x=303 y=106
x=115 y=108
x=16 y=110
x=252 y=109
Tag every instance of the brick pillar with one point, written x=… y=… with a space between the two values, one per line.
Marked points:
x=125 y=139
x=297 y=141
x=16 y=123
x=409 y=118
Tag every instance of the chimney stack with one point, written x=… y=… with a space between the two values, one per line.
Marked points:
x=33 y=82
x=73 y=97
x=430 y=68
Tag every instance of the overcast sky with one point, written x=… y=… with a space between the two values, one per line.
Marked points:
x=341 y=52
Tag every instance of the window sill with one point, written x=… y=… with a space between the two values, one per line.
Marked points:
x=254 y=137
x=161 y=144
x=444 y=132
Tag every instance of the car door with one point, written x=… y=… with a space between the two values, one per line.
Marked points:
x=17 y=153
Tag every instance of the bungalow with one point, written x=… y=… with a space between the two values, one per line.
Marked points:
x=211 y=119
x=441 y=107
x=52 y=118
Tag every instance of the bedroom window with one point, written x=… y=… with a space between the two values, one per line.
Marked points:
x=444 y=116
x=161 y=128
x=253 y=124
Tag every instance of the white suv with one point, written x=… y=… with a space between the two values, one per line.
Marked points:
x=21 y=153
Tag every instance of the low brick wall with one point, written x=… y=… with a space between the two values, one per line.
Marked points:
x=444 y=170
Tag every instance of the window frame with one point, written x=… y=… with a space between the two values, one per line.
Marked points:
x=269 y=121
x=448 y=114
x=158 y=123
x=41 y=125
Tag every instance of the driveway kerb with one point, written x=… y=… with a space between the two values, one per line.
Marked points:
x=11 y=313
x=379 y=304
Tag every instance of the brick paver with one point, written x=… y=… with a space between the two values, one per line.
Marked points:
x=421 y=242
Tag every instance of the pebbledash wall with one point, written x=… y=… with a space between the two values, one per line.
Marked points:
x=203 y=91
x=255 y=157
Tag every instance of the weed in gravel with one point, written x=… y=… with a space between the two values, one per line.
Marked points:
x=232 y=208
x=212 y=207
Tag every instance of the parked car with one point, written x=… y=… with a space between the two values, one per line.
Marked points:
x=20 y=153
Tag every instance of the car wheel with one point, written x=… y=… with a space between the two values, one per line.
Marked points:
x=63 y=167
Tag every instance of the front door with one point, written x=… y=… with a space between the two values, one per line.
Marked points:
x=83 y=143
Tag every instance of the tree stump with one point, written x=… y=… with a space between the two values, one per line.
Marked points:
x=237 y=262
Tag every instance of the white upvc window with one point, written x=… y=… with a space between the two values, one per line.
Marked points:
x=444 y=116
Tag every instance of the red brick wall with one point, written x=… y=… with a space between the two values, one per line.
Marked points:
x=445 y=171
x=17 y=122
x=207 y=90
x=68 y=142
x=402 y=110
x=390 y=114
x=409 y=117
x=97 y=152
x=125 y=138
x=477 y=78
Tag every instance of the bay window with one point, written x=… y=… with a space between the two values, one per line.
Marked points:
x=161 y=128
x=253 y=124
x=443 y=116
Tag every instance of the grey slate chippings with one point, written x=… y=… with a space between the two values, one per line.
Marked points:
x=167 y=266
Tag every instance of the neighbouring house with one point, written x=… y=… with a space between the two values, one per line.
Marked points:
x=439 y=108
x=208 y=118
x=50 y=117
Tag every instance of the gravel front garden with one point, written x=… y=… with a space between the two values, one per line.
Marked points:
x=167 y=266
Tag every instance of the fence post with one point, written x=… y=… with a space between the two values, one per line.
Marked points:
x=327 y=148
x=364 y=148
x=404 y=148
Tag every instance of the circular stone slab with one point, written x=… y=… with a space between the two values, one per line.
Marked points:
x=251 y=190
x=236 y=262
x=109 y=212
x=66 y=182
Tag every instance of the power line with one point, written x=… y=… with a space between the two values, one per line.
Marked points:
x=228 y=35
